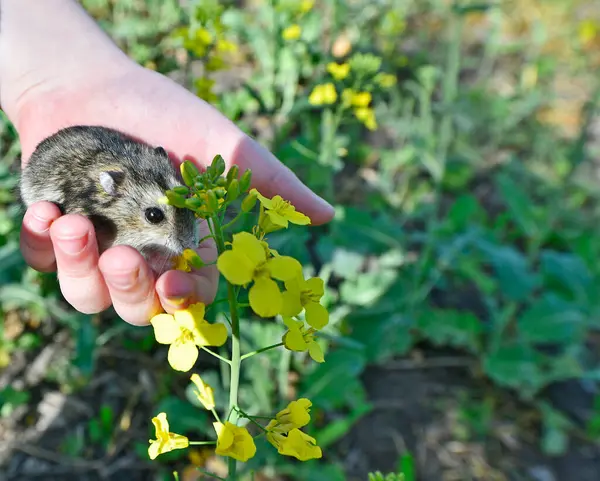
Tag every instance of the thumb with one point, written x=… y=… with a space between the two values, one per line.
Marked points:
x=270 y=177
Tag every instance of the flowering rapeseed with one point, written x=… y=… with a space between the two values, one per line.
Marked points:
x=323 y=94
x=204 y=392
x=338 y=71
x=165 y=441
x=234 y=441
x=247 y=261
x=276 y=213
x=185 y=331
x=292 y=32
x=300 y=339
x=302 y=294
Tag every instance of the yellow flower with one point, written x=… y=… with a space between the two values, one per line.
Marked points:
x=234 y=441
x=301 y=294
x=214 y=64
x=247 y=261
x=185 y=331
x=276 y=213
x=188 y=259
x=204 y=392
x=295 y=415
x=204 y=88
x=588 y=30
x=306 y=6
x=323 y=94
x=292 y=442
x=338 y=71
x=226 y=46
x=356 y=99
x=165 y=441
x=367 y=116
x=292 y=32
x=385 y=80
x=299 y=338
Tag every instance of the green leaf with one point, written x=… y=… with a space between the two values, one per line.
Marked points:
x=461 y=329
x=550 y=319
x=520 y=206
x=336 y=382
x=569 y=273
x=515 y=278
x=182 y=416
x=338 y=428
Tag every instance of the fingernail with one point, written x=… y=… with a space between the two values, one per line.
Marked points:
x=39 y=224
x=73 y=245
x=124 y=280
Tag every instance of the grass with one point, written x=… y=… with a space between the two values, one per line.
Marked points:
x=465 y=235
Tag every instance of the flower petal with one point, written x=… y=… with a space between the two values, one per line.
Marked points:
x=284 y=268
x=297 y=218
x=315 y=352
x=277 y=219
x=166 y=330
x=265 y=298
x=316 y=286
x=294 y=341
x=250 y=246
x=182 y=356
x=154 y=449
x=291 y=305
x=316 y=315
x=235 y=267
x=207 y=334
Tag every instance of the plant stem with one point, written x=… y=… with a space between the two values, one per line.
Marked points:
x=218 y=356
x=258 y=351
x=201 y=443
x=235 y=343
x=234 y=220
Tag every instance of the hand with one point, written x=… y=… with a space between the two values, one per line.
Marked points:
x=154 y=109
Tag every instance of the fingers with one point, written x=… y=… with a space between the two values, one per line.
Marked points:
x=76 y=253
x=35 y=241
x=271 y=178
x=130 y=282
x=178 y=289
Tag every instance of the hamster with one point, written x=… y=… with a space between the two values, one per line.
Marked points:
x=116 y=182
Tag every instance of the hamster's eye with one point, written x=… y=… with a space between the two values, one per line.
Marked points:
x=154 y=215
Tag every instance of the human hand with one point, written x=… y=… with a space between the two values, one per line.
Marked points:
x=154 y=109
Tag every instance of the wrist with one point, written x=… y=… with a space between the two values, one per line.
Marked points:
x=51 y=46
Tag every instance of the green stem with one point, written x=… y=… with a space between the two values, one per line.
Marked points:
x=216 y=415
x=258 y=351
x=212 y=475
x=233 y=221
x=218 y=356
x=235 y=344
x=201 y=443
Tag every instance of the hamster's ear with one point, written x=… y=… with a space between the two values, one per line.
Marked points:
x=110 y=181
x=162 y=152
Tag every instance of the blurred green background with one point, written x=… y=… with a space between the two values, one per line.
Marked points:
x=461 y=268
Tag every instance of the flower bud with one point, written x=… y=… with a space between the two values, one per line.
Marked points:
x=213 y=204
x=233 y=173
x=233 y=191
x=218 y=164
x=245 y=180
x=175 y=199
x=193 y=203
x=181 y=190
x=219 y=192
x=189 y=172
x=249 y=202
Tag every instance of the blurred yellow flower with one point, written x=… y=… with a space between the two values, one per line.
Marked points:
x=588 y=30
x=323 y=94
x=300 y=339
x=165 y=441
x=226 y=46
x=306 y=6
x=338 y=71
x=214 y=64
x=305 y=294
x=292 y=32
x=188 y=259
x=204 y=392
x=385 y=80
x=234 y=441
x=276 y=213
x=185 y=330
x=247 y=261
x=367 y=116
x=204 y=88
x=351 y=97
